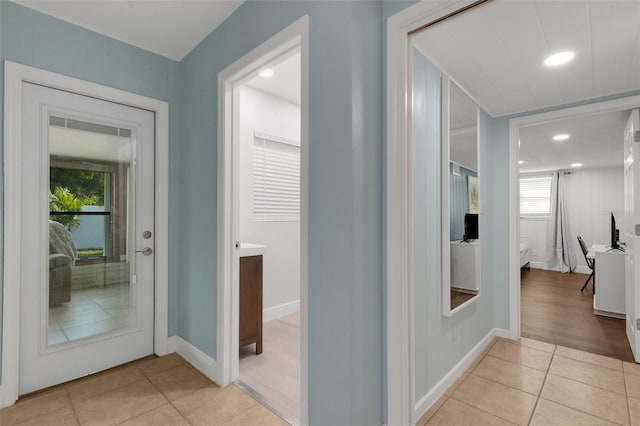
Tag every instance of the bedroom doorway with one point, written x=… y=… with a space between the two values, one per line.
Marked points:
x=574 y=156
x=87 y=236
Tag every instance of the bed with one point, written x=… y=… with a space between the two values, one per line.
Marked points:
x=525 y=252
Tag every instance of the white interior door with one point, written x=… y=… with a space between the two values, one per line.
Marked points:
x=87 y=287
x=632 y=237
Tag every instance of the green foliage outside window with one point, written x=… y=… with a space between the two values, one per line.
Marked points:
x=82 y=183
x=63 y=200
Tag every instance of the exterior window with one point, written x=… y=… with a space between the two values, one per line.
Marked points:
x=535 y=196
x=276 y=180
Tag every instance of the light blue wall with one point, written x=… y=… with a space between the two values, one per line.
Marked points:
x=38 y=40
x=495 y=137
x=345 y=195
x=441 y=342
x=458 y=200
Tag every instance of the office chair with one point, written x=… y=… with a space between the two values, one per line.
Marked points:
x=590 y=263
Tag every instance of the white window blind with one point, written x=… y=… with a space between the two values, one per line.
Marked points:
x=276 y=180
x=535 y=196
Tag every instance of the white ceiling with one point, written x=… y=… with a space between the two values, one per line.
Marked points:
x=463 y=137
x=285 y=82
x=496 y=51
x=595 y=141
x=171 y=28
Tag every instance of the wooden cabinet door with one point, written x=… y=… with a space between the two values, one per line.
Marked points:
x=251 y=301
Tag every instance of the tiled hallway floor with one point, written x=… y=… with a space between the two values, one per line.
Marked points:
x=525 y=382
x=159 y=391
x=534 y=383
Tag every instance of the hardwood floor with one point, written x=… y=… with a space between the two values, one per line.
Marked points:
x=553 y=310
x=275 y=374
x=458 y=298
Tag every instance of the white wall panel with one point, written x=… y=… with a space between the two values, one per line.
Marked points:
x=592 y=194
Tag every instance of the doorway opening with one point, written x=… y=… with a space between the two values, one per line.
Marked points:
x=269 y=222
x=593 y=193
x=571 y=174
x=263 y=220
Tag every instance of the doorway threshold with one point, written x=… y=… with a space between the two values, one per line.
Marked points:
x=264 y=401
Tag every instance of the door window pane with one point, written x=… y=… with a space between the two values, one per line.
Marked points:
x=90 y=203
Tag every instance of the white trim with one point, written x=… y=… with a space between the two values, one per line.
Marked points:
x=295 y=36
x=536 y=264
x=399 y=281
x=280 y=311
x=15 y=75
x=172 y=343
x=458 y=370
x=620 y=104
x=540 y=265
x=201 y=361
x=445 y=189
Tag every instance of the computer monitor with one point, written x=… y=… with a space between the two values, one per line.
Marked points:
x=471 y=226
x=614 y=235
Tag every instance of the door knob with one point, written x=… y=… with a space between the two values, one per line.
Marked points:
x=147 y=251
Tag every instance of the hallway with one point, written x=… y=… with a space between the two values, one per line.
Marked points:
x=529 y=382
x=151 y=391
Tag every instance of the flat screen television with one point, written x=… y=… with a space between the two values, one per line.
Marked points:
x=614 y=234
x=471 y=226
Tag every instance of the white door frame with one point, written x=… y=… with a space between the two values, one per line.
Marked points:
x=515 y=124
x=14 y=77
x=294 y=36
x=399 y=254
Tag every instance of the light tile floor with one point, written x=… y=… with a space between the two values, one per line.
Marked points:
x=90 y=311
x=525 y=382
x=157 y=391
x=275 y=374
x=534 y=383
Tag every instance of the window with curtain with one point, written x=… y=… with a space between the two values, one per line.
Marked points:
x=276 y=180
x=535 y=196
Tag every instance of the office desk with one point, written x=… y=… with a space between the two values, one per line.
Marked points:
x=609 y=298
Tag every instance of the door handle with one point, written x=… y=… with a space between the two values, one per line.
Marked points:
x=147 y=251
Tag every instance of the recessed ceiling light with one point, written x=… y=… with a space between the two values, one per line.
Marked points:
x=559 y=58
x=266 y=73
x=520 y=162
x=576 y=165
x=561 y=137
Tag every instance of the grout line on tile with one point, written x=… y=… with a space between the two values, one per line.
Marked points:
x=581 y=411
x=180 y=412
x=587 y=384
x=546 y=374
x=511 y=342
x=477 y=408
x=590 y=363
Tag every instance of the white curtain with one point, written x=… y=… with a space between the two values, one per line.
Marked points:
x=561 y=255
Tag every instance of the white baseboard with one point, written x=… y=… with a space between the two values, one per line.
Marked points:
x=579 y=269
x=279 y=311
x=536 y=264
x=201 y=361
x=441 y=387
x=171 y=344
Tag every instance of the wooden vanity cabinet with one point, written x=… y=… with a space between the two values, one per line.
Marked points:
x=251 y=302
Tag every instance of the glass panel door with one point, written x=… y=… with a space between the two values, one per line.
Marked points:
x=90 y=229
